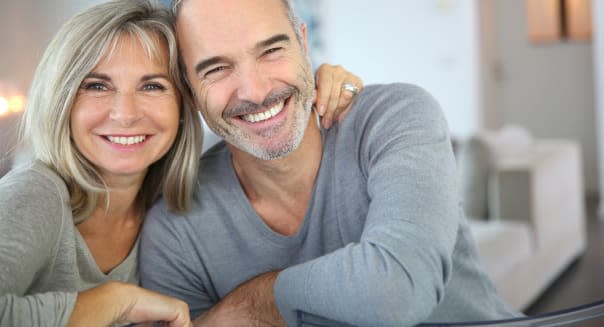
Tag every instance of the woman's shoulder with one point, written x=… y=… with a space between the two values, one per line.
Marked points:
x=33 y=185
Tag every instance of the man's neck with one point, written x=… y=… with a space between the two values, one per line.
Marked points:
x=280 y=190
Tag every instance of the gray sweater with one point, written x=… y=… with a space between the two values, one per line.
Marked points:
x=384 y=241
x=44 y=261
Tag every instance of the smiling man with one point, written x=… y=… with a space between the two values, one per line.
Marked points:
x=358 y=225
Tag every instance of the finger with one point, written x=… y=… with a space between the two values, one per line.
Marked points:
x=343 y=114
x=324 y=82
x=347 y=98
x=332 y=104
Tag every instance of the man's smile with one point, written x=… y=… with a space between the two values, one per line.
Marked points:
x=265 y=115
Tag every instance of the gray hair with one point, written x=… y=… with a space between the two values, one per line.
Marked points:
x=75 y=50
x=293 y=18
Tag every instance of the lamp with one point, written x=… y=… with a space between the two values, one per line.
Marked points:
x=544 y=20
x=11 y=101
x=556 y=20
x=578 y=19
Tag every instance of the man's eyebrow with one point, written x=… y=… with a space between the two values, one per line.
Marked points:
x=262 y=44
x=272 y=40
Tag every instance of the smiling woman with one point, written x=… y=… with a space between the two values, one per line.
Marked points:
x=69 y=221
x=126 y=112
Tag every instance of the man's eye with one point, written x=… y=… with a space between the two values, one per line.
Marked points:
x=272 y=50
x=215 y=71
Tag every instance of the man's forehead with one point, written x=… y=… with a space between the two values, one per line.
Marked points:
x=217 y=7
x=215 y=20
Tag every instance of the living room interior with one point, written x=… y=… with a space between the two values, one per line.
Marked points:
x=521 y=83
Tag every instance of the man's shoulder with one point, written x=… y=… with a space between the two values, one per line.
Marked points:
x=396 y=103
x=394 y=90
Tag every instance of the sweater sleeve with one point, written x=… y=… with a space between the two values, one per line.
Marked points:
x=31 y=212
x=396 y=273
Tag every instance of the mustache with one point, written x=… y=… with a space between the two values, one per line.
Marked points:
x=244 y=107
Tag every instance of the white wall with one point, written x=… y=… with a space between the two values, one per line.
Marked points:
x=26 y=27
x=474 y=56
x=547 y=88
x=432 y=43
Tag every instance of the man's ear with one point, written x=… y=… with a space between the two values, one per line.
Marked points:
x=303 y=35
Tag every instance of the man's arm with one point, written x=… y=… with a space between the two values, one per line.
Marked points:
x=396 y=273
x=250 y=304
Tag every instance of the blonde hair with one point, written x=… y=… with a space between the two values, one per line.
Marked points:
x=75 y=50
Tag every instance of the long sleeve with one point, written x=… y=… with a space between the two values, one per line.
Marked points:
x=31 y=218
x=396 y=273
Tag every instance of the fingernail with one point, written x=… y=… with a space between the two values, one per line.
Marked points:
x=321 y=110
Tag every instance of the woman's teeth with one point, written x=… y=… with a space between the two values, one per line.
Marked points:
x=262 y=116
x=122 y=140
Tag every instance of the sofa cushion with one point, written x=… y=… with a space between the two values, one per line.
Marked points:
x=502 y=245
x=476 y=158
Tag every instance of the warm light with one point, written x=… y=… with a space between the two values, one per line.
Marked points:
x=543 y=22
x=578 y=15
x=16 y=103
x=3 y=106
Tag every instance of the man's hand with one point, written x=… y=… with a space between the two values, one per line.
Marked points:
x=251 y=304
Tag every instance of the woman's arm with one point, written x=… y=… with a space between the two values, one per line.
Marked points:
x=117 y=302
x=33 y=217
x=331 y=101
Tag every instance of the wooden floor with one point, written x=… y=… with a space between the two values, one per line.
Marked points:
x=583 y=281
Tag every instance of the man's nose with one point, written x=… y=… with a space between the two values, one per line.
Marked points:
x=254 y=84
x=125 y=109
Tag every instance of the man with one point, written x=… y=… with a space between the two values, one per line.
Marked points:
x=357 y=225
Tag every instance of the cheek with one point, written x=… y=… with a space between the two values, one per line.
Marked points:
x=80 y=120
x=212 y=101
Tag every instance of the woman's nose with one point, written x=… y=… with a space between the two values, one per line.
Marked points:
x=125 y=109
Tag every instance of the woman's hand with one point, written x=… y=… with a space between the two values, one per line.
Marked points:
x=122 y=303
x=332 y=101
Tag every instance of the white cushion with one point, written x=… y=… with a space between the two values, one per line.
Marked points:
x=477 y=157
x=502 y=245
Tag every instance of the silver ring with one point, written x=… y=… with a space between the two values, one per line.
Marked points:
x=350 y=88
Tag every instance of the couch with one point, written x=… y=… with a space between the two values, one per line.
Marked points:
x=524 y=199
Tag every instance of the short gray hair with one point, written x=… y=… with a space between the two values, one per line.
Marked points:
x=75 y=50
x=293 y=18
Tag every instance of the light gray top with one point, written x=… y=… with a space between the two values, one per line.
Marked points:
x=44 y=261
x=384 y=241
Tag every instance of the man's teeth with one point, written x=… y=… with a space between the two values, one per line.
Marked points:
x=126 y=140
x=272 y=112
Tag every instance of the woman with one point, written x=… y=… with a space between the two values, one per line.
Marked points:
x=111 y=129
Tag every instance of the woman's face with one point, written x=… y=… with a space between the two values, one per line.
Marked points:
x=126 y=113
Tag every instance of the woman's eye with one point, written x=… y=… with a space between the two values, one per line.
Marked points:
x=94 y=86
x=153 y=87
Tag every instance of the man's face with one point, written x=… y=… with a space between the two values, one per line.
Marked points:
x=250 y=74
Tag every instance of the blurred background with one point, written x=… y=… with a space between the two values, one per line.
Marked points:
x=536 y=65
